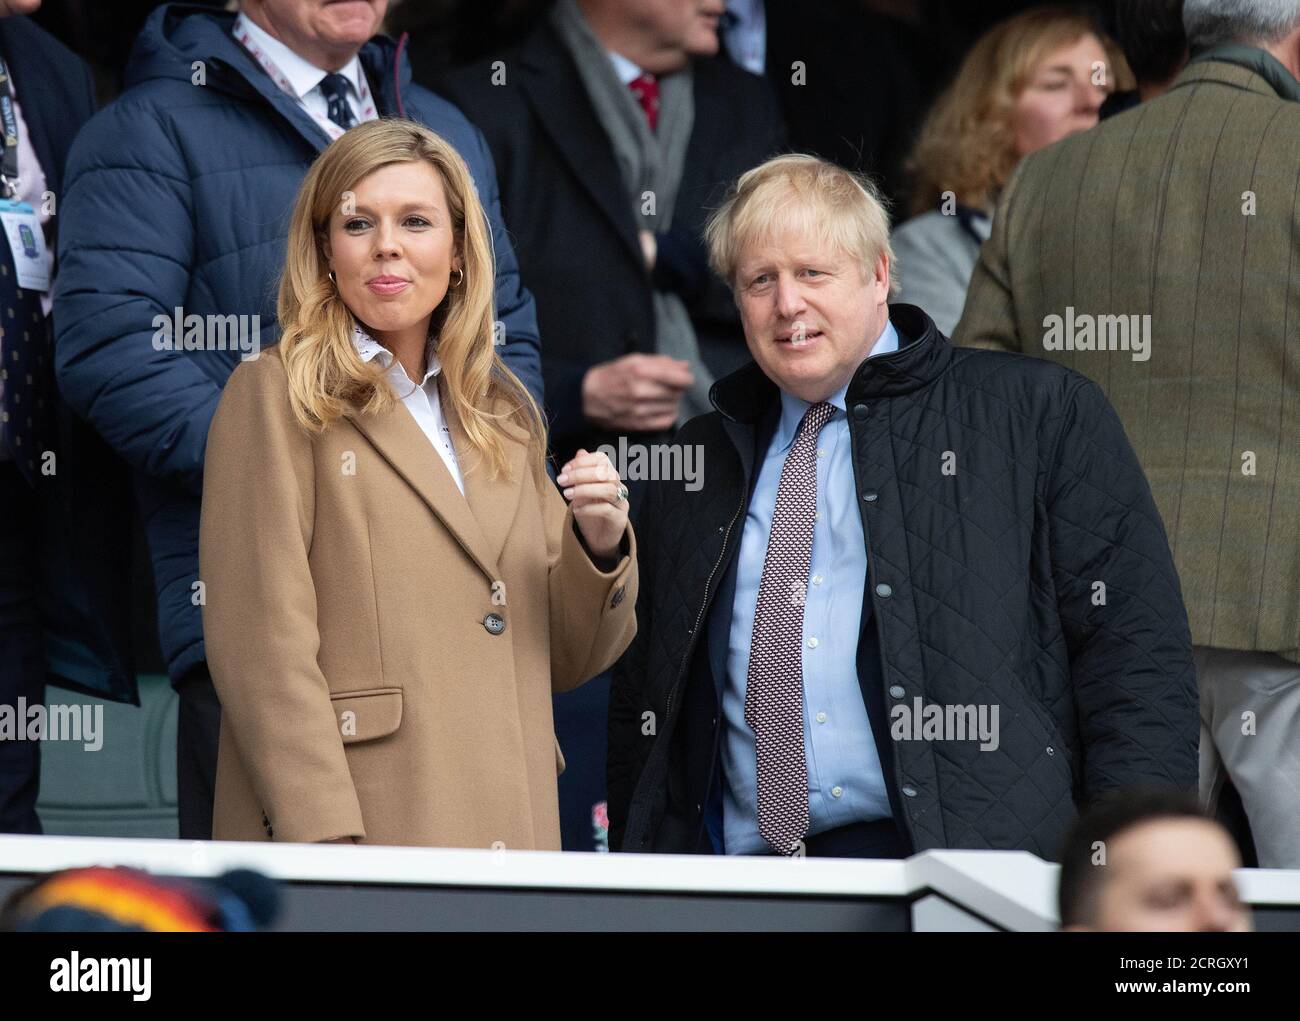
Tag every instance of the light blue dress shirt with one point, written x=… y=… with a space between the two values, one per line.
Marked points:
x=846 y=783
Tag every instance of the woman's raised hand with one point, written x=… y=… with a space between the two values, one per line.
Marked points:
x=599 y=500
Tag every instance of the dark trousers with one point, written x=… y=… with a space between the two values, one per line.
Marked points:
x=879 y=839
x=22 y=656
x=198 y=725
x=580 y=727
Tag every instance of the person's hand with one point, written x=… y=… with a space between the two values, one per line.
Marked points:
x=599 y=501
x=12 y=7
x=635 y=393
x=649 y=247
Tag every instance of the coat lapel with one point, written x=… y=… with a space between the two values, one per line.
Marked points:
x=492 y=501
x=564 y=111
x=480 y=520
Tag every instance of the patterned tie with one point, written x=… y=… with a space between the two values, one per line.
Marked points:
x=646 y=89
x=335 y=89
x=774 y=695
x=25 y=349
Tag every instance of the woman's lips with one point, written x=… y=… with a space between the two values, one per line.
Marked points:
x=388 y=285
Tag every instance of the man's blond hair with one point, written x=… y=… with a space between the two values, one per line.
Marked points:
x=843 y=210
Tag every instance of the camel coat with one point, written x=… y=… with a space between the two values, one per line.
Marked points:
x=353 y=610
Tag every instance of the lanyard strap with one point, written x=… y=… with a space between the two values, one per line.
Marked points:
x=9 y=120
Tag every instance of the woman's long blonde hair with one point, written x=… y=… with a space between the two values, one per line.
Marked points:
x=967 y=144
x=327 y=378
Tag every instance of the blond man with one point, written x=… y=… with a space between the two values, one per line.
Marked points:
x=922 y=599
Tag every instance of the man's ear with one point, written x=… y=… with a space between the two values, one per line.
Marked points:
x=884 y=272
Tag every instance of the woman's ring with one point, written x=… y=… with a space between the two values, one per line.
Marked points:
x=622 y=493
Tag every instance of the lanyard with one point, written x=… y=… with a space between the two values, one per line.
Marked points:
x=9 y=167
x=245 y=39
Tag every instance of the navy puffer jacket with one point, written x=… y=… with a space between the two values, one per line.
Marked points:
x=179 y=195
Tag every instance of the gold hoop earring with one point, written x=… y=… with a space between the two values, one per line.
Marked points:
x=332 y=280
x=462 y=277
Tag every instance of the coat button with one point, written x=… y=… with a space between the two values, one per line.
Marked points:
x=495 y=623
x=860 y=411
x=870 y=496
x=884 y=591
x=896 y=691
x=1051 y=750
x=910 y=791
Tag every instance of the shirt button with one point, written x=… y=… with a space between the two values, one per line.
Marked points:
x=812 y=643
x=836 y=791
x=884 y=591
x=816 y=579
x=817 y=515
x=494 y=623
x=821 y=717
x=821 y=451
x=896 y=691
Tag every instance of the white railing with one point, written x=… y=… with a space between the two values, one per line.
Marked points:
x=1007 y=889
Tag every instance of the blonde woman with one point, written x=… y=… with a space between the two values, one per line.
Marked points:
x=1028 y=82
x=393 y=589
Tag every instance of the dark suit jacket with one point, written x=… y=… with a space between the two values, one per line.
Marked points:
x=563 y=199
x=86 y=508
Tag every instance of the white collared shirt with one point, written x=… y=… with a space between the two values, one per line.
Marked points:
x=421 y=401
x=304 y=77
x=627 y=71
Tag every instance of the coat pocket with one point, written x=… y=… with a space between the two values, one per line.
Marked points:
x=366 y=715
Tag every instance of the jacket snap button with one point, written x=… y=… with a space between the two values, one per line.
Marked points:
x=896 y=691
x=859 y=411
x=1051 y=750
x=910 y=791
x=884 y=591
x=495 y=623
x=870 y=496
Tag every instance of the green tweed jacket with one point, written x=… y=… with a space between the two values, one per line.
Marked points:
x=1159 y=254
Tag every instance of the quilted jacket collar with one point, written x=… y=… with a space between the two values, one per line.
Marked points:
x=922 y=356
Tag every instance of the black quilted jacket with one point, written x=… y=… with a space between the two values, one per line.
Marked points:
x=994 y=571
